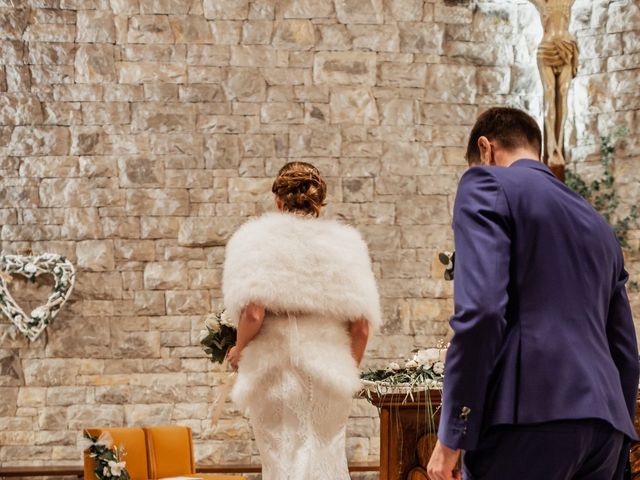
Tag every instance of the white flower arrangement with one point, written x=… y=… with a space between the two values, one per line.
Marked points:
x=423 y=371
x=64 y=274
x=116 y=468
x=107 y=457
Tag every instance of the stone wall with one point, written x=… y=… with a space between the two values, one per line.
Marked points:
x=136 y=135
x=606 y=96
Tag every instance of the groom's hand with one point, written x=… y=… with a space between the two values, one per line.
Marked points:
x=442 y=463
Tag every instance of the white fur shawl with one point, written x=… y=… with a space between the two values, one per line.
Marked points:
x=290 y=263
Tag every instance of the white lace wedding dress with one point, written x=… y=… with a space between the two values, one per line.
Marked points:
x=299 y=422
x=297 y=377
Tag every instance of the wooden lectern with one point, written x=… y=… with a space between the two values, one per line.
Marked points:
x=407 y=433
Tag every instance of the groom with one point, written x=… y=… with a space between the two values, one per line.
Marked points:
x=542 y=372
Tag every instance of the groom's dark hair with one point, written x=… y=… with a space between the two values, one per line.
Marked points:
x=510 y=127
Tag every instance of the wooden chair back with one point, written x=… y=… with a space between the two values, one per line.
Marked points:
x=170 y=451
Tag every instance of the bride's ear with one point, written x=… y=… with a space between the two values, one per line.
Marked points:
x=279 y=204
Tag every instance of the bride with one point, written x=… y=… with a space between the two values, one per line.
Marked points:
x=304 y=298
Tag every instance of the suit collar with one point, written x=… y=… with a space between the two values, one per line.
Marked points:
x=529 y=163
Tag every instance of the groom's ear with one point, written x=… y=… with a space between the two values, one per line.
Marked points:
x=485 y=149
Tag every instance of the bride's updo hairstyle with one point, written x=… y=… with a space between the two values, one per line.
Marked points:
x=300 y=188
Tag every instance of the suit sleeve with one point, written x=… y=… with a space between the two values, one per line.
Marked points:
x=481 y=223
x=621 y=336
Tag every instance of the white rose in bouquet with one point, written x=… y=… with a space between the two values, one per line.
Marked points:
x=222 y=335
x=411 y=364
x=225 y=319
x=212 y=323
x=203 y=335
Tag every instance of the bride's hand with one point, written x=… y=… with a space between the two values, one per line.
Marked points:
x=233 y=356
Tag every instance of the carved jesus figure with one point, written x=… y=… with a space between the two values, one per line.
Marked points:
x=558 y=64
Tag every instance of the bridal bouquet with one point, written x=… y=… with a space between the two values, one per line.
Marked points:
x=423 y=371
x=218 y=336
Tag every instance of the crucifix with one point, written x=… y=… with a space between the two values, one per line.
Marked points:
x=558 y=65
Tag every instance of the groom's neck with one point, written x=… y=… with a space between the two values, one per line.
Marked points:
x=507 y=158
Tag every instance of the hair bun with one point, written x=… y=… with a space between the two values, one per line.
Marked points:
x=300 y=188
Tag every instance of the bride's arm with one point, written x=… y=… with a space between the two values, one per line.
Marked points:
x=249 y=325
x=359 y=335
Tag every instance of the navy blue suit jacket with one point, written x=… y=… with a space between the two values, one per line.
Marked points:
x=542 y=326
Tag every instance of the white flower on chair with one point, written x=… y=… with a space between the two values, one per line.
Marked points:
x=116 y=467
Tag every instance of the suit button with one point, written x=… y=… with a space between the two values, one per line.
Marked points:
x=464 y=413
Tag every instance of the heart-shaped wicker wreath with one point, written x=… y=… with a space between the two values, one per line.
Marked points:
x=64 y=274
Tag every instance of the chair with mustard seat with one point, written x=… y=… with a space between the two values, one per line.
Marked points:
x=170 y=454
x=135 y=446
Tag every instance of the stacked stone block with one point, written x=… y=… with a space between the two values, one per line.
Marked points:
x=137 y=135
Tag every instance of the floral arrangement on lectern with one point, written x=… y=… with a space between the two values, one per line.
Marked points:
x=218 y=336
x=107 y=457
x=423 y=371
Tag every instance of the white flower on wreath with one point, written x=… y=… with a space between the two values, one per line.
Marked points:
x=116 y=467
x=106 y=472
x=393 y=366
x=411 y=364
x=30 y=268
x=212 y=323
x=40 y=313
x=438 y=368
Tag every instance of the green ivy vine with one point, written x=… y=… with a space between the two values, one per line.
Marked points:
x=601 y=192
